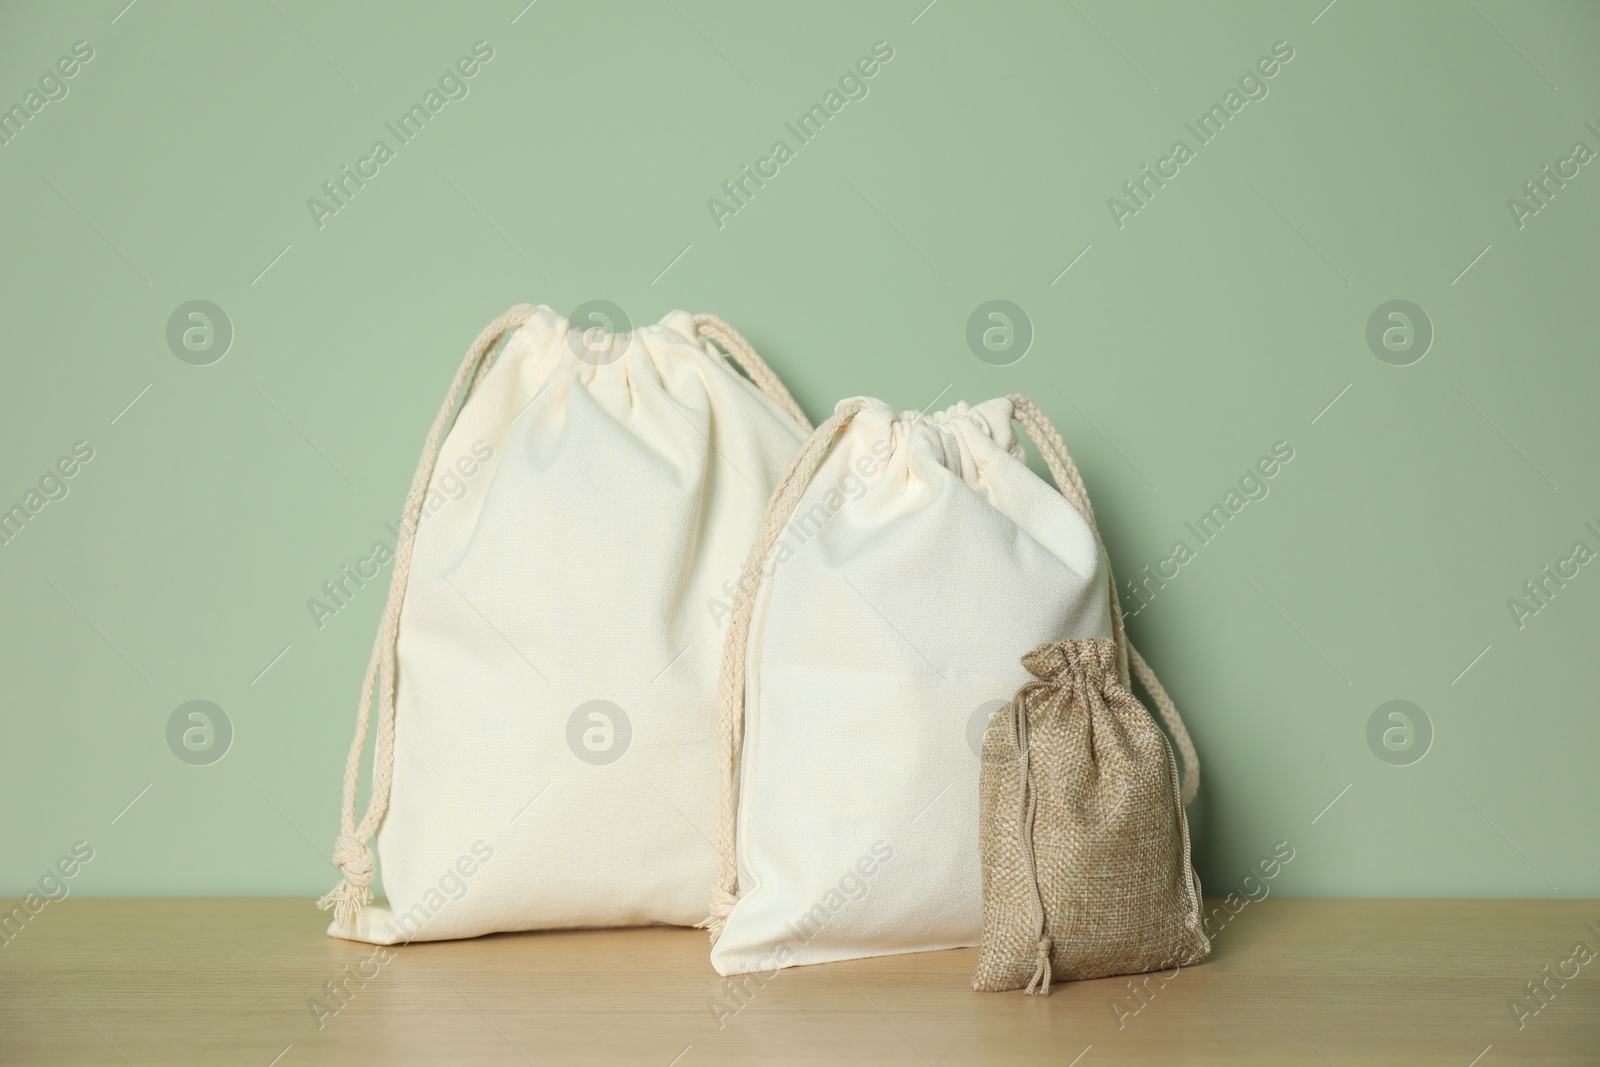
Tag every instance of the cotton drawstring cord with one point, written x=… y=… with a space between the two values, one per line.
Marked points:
x=730 y=698
x=743 y=353
x=1070 y=482
x=350 y=852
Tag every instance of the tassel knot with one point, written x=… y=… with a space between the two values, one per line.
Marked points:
x=356 y=862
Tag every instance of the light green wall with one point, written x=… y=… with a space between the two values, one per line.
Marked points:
x=1221 y=318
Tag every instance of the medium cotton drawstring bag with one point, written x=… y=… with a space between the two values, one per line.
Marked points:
x=546 y=667
x=1084 y=843
x=904 y=560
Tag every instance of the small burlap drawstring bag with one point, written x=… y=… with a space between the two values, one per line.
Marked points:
x=1082 y=834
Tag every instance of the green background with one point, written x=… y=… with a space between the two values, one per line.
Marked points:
x=1224 y=317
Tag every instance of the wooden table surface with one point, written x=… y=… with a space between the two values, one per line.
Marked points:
x=1338 y=982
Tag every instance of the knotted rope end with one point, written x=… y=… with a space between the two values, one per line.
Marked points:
x=722 y=902
x=356 y=862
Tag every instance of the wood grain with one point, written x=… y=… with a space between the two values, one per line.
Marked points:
x=1414 y=982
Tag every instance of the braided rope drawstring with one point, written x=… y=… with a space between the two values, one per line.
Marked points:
x=743 y=353
x=351 y=855
x=1070 y=482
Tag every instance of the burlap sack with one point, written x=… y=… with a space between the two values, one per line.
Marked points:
x=1082 y=835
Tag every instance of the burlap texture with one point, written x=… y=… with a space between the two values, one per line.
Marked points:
x=1083 y=840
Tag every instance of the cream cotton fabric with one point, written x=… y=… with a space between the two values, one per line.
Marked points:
x=547 y=750
x=905 y=560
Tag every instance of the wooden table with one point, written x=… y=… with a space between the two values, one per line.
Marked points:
x=1339 y=982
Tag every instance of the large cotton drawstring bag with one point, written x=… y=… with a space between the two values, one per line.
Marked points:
x=1084 y=843
x=546 y=667
x=903 y=562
